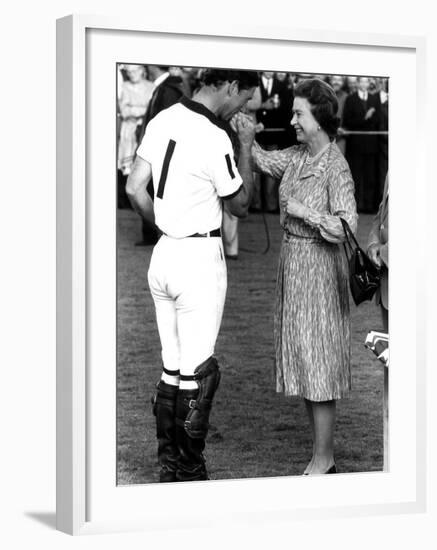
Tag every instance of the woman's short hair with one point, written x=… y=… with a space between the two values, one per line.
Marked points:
x=323 y=101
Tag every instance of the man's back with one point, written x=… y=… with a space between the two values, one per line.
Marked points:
x=192 y=166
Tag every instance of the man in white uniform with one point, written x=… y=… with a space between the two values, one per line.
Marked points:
x=187 y=150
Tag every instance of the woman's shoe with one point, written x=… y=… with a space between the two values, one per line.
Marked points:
x=332 y=470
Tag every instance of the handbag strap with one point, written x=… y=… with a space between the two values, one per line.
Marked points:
x=349 y=234
x=348 y=245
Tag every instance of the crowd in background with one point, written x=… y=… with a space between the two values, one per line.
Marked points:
x=362 y=137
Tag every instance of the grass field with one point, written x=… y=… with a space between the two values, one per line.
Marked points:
x=255 y=432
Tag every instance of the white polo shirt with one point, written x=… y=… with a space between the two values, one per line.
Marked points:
x=193 y=168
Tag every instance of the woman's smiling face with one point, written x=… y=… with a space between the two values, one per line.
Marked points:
x=303 y=122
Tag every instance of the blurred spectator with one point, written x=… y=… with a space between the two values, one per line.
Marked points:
x=251 y=109
x=195 y=78
x=120 y=80
x=372 y=85
x=290 y=81
x=135 y=94
x=134 y=97
x=377 y=249
x=282 y=77
x=167 y=90
x=275 y=115
x=382 y=96
x=337 y=83
x=185 y=76
x=293 y=79
x=351 y=84
x=194 y=75
x=362 y=114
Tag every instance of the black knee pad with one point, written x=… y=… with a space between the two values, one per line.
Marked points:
x=207 y=377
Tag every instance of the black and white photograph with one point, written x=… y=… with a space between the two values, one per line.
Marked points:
x=195 y=280
x=252 y=273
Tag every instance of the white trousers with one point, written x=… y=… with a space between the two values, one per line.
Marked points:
x=188 y=281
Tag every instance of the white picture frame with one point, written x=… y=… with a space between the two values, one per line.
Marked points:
x=81 y=485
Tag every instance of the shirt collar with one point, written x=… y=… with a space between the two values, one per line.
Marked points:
x=200 y=109
x=363 y=95
x=160 y=79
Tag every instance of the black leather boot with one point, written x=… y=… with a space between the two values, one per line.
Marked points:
x=191 y=462
x=164 y=408
x=192 y=420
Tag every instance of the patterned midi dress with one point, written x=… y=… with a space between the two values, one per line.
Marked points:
x=312 y=325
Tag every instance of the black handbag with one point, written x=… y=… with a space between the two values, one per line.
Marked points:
x=364 y=276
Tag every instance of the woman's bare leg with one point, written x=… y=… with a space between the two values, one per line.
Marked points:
x=324 y=425
x=309 y=408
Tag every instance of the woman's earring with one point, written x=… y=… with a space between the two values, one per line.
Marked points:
x=318 y=128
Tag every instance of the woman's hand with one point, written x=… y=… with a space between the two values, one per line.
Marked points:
x=296 y=209
x=246 y=130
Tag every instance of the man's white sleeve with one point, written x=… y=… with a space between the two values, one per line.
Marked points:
x=223 y=170
x=146 y=147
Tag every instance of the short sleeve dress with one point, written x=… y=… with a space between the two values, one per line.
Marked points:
x=312 y=324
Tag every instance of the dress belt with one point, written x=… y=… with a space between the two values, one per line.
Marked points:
x=307 y=239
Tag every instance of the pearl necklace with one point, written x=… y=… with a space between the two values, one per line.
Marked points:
x=310 y=160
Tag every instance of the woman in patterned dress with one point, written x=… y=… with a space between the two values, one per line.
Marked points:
x=312 y=329
x=135 y=95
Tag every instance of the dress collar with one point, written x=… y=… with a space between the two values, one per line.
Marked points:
x=320 y=163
